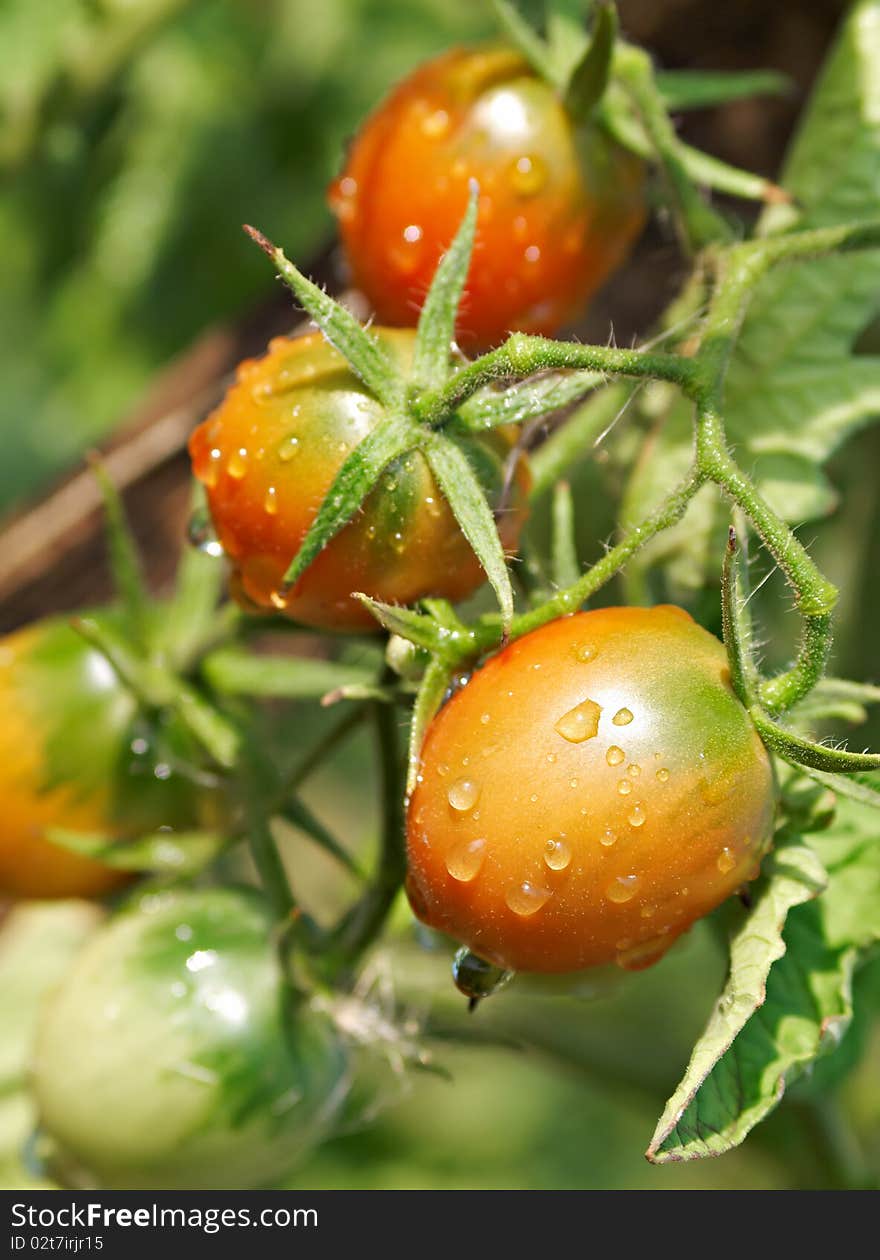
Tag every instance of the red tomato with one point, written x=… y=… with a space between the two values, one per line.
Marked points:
x=560 y=203
x=268 y=456
x=592 y=791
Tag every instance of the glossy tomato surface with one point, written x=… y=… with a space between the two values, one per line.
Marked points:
x=173 y=1058
x=73 y=756
x=592 y=791
x=268 y=456
x=560 y=204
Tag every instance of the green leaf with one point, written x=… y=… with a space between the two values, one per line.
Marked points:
x=436 y=328
x=462 y=490
x=804 y=752
x=835 y=698
x=856 y=787
x=433 y=687
x=357 y=346
x=703 y=89
x=529 y=400
x=395 y=436
x=236 y=671
x=795 y=391
x=170 y=853
x=722 y=1091
x=589 y=79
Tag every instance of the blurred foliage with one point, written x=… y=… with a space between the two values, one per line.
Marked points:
x=135 y=137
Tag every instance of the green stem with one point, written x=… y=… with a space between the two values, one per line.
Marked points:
x=522 y=356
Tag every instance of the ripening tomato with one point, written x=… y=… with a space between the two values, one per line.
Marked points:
x=268 y=456
x=592 y=791
x=172 y=1056
x=73 y=757
x=560 y=203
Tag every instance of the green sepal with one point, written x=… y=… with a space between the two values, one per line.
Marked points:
x=358 y=347
x=566 y=566
x=465 y=496
x=392 y=438
x=433 y=687
x=528 y=400
x=524 y=38
x=234 y=671
x=703 y=89
x=298 y=815
x=167 y=853
x=418 y=628
x=804 y=752
x=125 y=560
x=590 y=76
x=436 y=328
x=361 y=692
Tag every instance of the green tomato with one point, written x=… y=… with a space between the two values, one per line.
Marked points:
x=172 y=1057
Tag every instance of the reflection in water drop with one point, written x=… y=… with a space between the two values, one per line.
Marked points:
x=580 y=723
x=557 y=854
x=465 y=859
x=622 y=717
x=463 y=794
x=526 y=899
x=622 y=889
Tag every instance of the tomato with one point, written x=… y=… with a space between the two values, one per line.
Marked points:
x=268 y=456
x=73 y=755
x=560 y=203
x=171 y=1057
x=594 y=789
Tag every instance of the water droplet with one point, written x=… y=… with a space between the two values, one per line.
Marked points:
x=238 y=463
x=614 y=755
x=580 y=723
x=585 y=652
x=465 y=859
x=463 y=794
x=648 y=912
x=210 y=469
x=634 y=771
x=551 y=757
x=572 y=783
x=663 y=775
x=288 y=449
x=526 y=899
x=726 y=861
x=200 y=533
x=486 y=718
x=270 y=503
x=436 y=123
x=624 y=787
x=644 y=954
x=528 y=175
x=279 y=600
x=532 y=253
x=622 y=717
x=533 y=798
x=622 y=889
x=342 y=198
x=412 y=233
x=637 y=816
x=557 y=854
x=607 y=838
x=442 y=769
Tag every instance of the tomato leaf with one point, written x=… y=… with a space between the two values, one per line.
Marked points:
x=722 y=1090
x=566 y=566
x=462 y=489
x=395 y=436
x=806 y=1007
x=125 y=561
x=357 y=346
x=433 y=687
x=436 y=327
x=795 y=389
x=856 y=787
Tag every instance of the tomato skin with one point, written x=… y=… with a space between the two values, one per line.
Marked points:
x=610 y=790
x=171 y=1057
x=267 y=457
x=560 y=204
x=67 y=761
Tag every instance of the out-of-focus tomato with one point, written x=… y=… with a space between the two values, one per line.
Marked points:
x=592 y=791
x=560 y=203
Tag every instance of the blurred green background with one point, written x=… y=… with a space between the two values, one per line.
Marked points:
x=135 y=137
